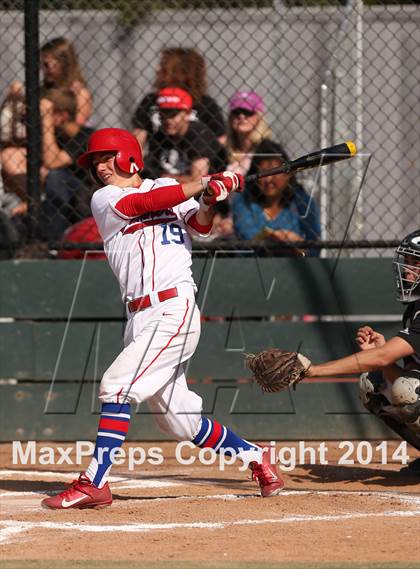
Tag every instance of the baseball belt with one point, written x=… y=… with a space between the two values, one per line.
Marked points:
x=143 y=302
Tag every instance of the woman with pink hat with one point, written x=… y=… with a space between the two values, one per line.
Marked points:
x=247 y=128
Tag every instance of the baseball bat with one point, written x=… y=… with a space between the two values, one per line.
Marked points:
x=321 y=157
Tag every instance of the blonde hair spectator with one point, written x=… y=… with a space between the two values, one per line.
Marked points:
x=247 y=128
x=61 y=69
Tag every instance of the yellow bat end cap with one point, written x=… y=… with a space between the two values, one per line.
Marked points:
x=352 y=147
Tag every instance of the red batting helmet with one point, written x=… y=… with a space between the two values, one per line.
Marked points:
x=128 y=152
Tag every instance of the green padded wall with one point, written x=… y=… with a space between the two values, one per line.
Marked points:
x=315 y=411
x=62 y=322
x=42 y=351
x=244 y=284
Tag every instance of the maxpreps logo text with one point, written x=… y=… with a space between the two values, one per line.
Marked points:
x=187 y=454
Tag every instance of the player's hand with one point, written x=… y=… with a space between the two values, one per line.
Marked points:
x=367 y=338
x=218 y=186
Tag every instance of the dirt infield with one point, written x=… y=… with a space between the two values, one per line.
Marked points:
x=328 y=514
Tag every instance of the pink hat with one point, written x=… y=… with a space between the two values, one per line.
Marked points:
x=248 y=100
x=174 y=98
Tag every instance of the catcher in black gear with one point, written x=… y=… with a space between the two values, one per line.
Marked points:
x=387 y=390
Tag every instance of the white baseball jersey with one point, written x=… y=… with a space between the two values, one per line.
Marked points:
x=150 y=252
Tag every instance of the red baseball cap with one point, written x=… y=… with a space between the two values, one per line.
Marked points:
x=174 y=98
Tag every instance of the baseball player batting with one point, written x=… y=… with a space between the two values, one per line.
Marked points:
x=146 y=226
x=386 y=389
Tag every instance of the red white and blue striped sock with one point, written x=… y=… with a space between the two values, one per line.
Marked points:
x=212 y=434
x=112 y=430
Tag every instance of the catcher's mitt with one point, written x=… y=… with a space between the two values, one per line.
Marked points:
x=274 y=370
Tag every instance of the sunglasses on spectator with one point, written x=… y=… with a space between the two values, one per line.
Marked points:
x=245 y=112
x=169 y=113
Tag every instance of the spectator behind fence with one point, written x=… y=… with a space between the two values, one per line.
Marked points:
x=13 y=202
x=62 y=71
x=180 y=148
x=275 y=207
x=68 y=188
x=13 y=151
x=184 y=68
x=12 y=117
x=247 y=128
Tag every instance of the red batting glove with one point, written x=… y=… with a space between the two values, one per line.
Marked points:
x=220 y=185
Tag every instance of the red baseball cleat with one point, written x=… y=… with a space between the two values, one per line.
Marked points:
x=81 y=494
x=266 y=475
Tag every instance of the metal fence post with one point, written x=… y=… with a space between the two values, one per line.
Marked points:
x=33 y=122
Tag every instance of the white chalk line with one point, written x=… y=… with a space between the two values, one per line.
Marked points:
x=126 y=482
x=19 y=494
x=154 y=498
x=8 y=533
x=147 y=484
x=12 y=528
x=58 y=475
x=411 y=499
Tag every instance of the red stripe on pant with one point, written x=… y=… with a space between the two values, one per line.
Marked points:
x=113 y=425
x=215 y=435
x=164 y=348
x=154 y=260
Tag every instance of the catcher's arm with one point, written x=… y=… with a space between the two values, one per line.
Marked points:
x=369 y=360
x=274 y=370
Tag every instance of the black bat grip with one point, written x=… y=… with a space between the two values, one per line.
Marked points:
x=284 y=169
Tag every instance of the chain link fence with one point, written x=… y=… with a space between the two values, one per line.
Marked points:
x=315 y=73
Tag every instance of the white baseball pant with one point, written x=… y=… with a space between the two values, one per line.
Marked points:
x=150 y=368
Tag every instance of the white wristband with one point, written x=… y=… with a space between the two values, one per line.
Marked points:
x=205 y=182
x=203 y=206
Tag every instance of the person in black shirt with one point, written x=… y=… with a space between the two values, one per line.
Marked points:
x=180 y=148
x=185 y=68
x=67 y=187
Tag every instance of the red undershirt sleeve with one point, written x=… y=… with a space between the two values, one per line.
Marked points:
x=135 y=204
x=202 y=229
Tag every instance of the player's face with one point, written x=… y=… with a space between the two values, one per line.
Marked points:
x=104 y=165
x=272 y=186
x=412 y=271
x=175 y=122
